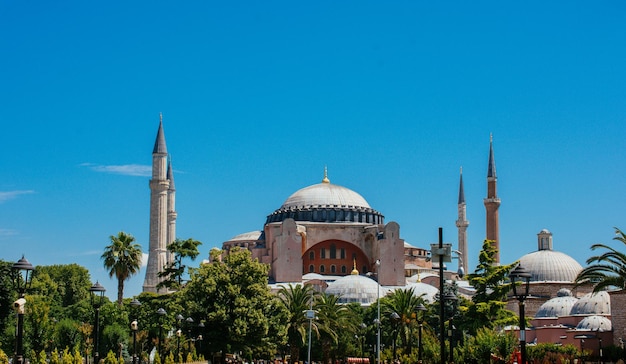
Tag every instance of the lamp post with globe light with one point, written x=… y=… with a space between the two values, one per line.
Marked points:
x=134 y=326
x=97 y=298
x=520 y=273
x=161 y=312
x=420 y=320
x=22 y=283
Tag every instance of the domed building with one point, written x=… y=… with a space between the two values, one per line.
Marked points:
x=326 y=229
x=551 y=271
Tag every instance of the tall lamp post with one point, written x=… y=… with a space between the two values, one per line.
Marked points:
x=521 y=274
x=161 y=312
x=134 y=326
x=97 y=298
x=450 y=297
x=395 y=319
x=310 y=315
x=189 y=322
x=21 y=283
x=179 y=318
x=420 y=320
x=378 y=314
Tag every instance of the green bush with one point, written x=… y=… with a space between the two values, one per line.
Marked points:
x=4 y=359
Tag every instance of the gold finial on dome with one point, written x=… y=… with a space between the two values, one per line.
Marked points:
x=325 y=180
x=354 y=270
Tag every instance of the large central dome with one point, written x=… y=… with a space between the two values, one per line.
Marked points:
x=325 y=194
x=326 y=202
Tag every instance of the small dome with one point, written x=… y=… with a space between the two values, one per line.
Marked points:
x=423 y=290
x=249 y=236
x=595 y=323
x=551 y=266
x=355 y=288
x=593 y=304
x=564 y=292
x=557 y=307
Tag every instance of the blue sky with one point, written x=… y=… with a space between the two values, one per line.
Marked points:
x=257 y=97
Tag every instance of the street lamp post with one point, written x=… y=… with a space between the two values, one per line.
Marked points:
x=420 y=321
x=189 y=322
x=378 y=314
x=161 y=312
x=134 y=326
x=97 y=298
x=310 y=315
x=179 y=319
x=395 y=319
x=524 y=276
x=20 y=266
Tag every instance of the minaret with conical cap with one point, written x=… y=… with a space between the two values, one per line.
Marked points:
x=462 y=223
x=492 y=203
x=171 y=209
x=159 y=225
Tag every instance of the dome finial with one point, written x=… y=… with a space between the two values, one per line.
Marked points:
x=325 y=179
x=354 y=270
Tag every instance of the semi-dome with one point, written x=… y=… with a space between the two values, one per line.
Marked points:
x=326 y=202
x=557 y=306
x=598 y=303
x=595 y=323
x=355 y=288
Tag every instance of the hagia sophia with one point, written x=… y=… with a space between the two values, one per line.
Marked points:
x=329 y=236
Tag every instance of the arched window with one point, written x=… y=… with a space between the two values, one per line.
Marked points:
x=344 y=269
x=311 y=269
x=322 y=269
x=311 y=255
x=333 y=269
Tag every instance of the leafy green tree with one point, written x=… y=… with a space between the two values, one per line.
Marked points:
x=174 y=271
x=7 y=296
x=488 y=305
x=607 y=270
x=297 y=300
x=486 y=346
x=123 y=259
x=234 y=299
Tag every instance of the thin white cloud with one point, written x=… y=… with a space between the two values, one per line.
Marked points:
x=7 y=232
x=10 y=195
x=126 y=169
x=144 y=259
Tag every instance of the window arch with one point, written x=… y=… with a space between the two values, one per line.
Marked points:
x=322 y=268
x=311 y=268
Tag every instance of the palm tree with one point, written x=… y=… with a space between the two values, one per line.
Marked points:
x=123 y=259
x=404 y=303
x=297 y=299
x=332 y=318
x=606 y=270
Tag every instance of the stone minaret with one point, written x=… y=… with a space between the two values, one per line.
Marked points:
x=492 y=203
x=162 y=215
x=462 y=224
x=171 y=209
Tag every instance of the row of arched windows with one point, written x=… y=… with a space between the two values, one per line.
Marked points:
x=333 y=269
x=332 y=253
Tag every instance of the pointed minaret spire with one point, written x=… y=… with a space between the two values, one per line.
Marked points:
x=325 y=179
x=492 y=203
x=491 y=169
x=159 y=143
x=462 y=224
x=170 y=174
